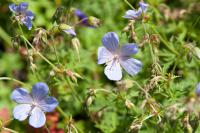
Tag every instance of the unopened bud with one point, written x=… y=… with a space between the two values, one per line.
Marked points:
x=93 y=21
x=15 y=41
x=129 y=104
x=89 y=101
x=52 y=73
x=76 y=45
x=67 y=29
x=33 y=67
x=126 y=29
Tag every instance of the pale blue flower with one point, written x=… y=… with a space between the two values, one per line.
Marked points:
x=34 y=104
x=134 y=14
x=116 y=57
x=22 y=14
x=198 y=89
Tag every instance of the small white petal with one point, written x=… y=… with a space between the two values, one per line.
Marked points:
x=37 y=118
x=113 y=71
x=21 y=112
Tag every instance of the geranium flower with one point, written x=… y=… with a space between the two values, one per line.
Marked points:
x=116 y=57
x=34 y=104
x=22 y=14
x=134 y=14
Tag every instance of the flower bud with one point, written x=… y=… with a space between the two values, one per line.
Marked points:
x=89 y=101
x=129 y=104
x=93 y=21
x=76 y=45
x=15 y=41
x=33 y=67
x=67 y=29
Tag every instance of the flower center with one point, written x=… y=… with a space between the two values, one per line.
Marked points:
x=116 y=57
x=34 y=104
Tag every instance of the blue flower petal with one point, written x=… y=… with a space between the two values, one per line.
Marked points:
x=27 y=22
x=48 y=104
x=70 y=32
x=21 y=112
x=22 y=7
x=129 y=49
x=131 y=66
x=130 y=14
x=110 y=40
x=113 y=71
x=143 y=6
x=79 y=14
x=104 y=55
x=39 y=91
x=21 y=95
x=37 y=118
x=13 y=7
x=133 y=14
x=29 y=14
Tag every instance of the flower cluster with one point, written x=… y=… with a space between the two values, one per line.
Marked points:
x=22 y=14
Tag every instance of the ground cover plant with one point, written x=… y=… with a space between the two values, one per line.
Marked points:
x=92 y=66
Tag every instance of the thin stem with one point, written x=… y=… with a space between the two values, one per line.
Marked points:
x=126 y=1
x=76 y=131
x=8 y=121
x=104 y=90
x=9 y=130
x=68 y=14
x=44 y=58
x=146 y=94
x=72 y=88
x=151 y=49
x=8 y=78
x=165 y=42
x=24 y=40
x=54 y=48
x=48 y=131
x=62 y=112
